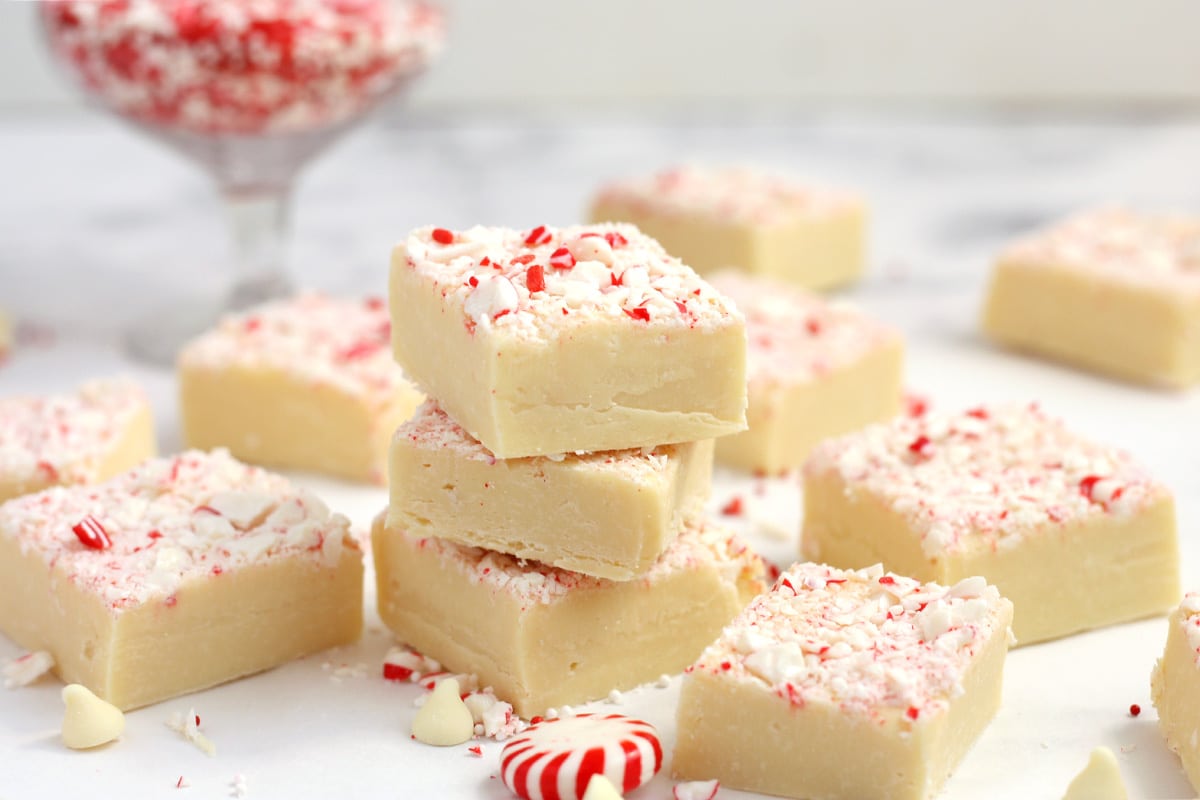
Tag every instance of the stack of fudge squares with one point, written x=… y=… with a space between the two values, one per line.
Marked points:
x=545 y=528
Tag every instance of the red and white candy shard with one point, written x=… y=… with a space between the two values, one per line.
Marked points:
x=696 y=790
x=555 y=759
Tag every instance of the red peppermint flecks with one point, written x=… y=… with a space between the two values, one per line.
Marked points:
x=47 y=469
x=978 y=413
x=91 y=534
x=562 y=259
x=395 y=672
x=915 y=405
x=475 y=750
x=473 y=281
x=359 y=350
x=733 y=508
x=528 y=258
x=813 y=326
x=1135 y=710
x=920 y=446
x=617 y=280
x=538 y=235
x=887 y=580
x=535 y=278
x=443 y=236
x=615 y=240
x=252 y=324
x=375 y=303
x=913 y=712
x=640 y=313
x=1088 y=485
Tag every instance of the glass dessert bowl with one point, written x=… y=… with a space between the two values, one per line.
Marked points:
x=249 y=89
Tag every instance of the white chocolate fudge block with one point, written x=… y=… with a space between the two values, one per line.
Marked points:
x=840 y=685
x=1175 y=686
x=1112 y=291
x=815 y=370
x=610 y=514
x=85 y=437
x=1076 y=534
x=718 y=217
x=177 y=575
x=554 y=340
x=306 y=383
x=545 y=637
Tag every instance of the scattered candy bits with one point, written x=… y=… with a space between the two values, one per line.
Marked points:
x=696 y=790
x=444 y=720
x=555 y=759
x=26 y=669
x=89 y=721
x=188 y=725
x=1135 y=710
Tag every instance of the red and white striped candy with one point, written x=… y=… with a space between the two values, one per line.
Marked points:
x=555 y=759
x=91 y=534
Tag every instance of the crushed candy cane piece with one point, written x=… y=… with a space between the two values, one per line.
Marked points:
x=188 y=726
x=696 y=790
x=26 y=669
x=237 y=786
x=405 y=664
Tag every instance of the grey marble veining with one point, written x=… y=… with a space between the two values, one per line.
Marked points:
x=99 y=225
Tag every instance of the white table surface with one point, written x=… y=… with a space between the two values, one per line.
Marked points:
x=97 y=226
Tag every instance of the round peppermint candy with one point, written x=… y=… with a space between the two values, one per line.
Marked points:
x=555 y=759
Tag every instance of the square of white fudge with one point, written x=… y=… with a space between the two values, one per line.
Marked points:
x=553 y=340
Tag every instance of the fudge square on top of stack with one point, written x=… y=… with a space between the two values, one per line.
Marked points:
x=576 y=377
x=556 y=340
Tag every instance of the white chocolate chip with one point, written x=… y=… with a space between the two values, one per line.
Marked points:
x=444 y=720
x=89 y=721
x=1099 y=780
x=601 y=788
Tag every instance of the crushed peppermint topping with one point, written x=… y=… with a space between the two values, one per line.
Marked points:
x=988 y=475
x=317 y=339
x=230 y=66
x=794 y=336
x=26 y=669
x=529 y=282
x=701 y=544
x=862 y=640
x=494 y=718
x=430 y=428
x=174 y=520
x=1189 y=612
x=1141 y=249
x=65 y=438
x=731 y=193
x=188 y=726
x=237 y=786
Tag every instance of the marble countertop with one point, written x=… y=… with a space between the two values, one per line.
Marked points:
x=98 y=227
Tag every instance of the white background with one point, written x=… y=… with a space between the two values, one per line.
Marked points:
x=533 y=105
x=692 y=52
